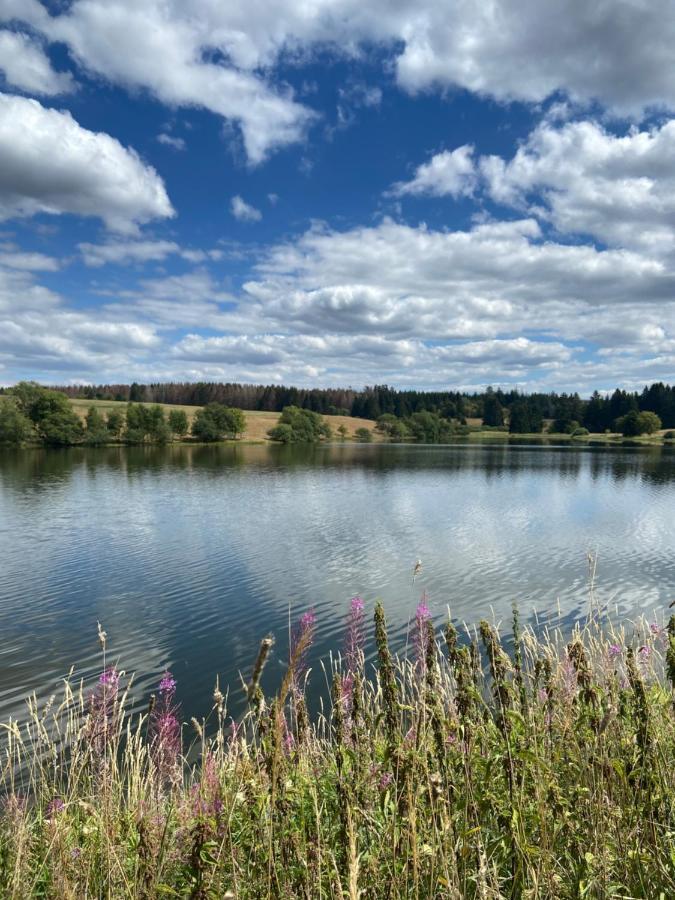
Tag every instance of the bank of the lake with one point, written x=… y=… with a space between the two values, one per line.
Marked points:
x=465 y=770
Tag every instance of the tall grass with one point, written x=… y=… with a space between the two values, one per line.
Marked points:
x=467 y=771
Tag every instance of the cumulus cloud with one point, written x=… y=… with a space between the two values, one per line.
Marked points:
x=243 y=211
x=618 y=189
x=50 y=164
x=447 y=173
x=219 y=56
x=400 y=280
x=25 y=66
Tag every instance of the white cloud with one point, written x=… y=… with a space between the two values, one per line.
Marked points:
x=120 y=252
x=176 y=143
x=25 y=66
x=584 y=180
x=243 y=211
x=50 y=164
x=494 y=279
x=447 y=173
x=212 y=55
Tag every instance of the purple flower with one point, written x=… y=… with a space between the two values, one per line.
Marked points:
x=301 y=640
x=164 y=729
x=654 y=628
x=167 y=685
x=103 y=710
x=54 y=807
x=385 y=780
x=614 y=650
x=645 y=652
x=109 y=677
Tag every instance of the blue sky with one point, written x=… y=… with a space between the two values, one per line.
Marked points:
x=335 y=193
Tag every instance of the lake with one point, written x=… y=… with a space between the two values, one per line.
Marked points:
x=189 y=555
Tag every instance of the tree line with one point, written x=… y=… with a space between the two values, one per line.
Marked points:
x=30 y=413
x=495 y=407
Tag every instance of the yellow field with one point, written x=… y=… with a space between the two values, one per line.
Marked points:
x=257 y=423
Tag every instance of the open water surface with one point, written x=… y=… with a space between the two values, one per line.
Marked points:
x=188 y=555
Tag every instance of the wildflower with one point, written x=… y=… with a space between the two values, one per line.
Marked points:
x=167 y=686
x=103 y=710
x=614 y=651
x=165 y=731
x=654 y=628
x=385 y=780
x=54 y=807
x=645 y=652
x=301 y=641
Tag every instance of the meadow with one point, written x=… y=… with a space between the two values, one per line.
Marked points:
x=257 y=423
x=541 y=768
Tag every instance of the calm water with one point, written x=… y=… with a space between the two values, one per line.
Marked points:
x=189 y=555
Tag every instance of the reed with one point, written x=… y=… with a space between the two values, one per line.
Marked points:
x=541 y=772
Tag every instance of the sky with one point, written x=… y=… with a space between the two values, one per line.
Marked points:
x=425 y=193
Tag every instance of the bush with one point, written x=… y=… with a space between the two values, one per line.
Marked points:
x=215 y=422
x=299 y=426
x=50 y=412
x=178 y=422
x=669 y=436
x=146 y=423
x=580 y=431
x=15 y=427
x=96 y=432
x=363 y=435
x=636 y=423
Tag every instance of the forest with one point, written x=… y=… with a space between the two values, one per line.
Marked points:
x=494 y=406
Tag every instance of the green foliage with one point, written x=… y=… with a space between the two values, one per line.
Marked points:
x=541 y=770
x=299 y=426
x=15 y=427
x=525 y=418
x=493 y=412
x=50 y=412
x=636 y=423
x=146 y=424
x=96 y=432
x=669 y=436
x=429 y=428
x=178 y=422
x=343 y=432
x=215 y=422
x=115 y=422
x=363 y=435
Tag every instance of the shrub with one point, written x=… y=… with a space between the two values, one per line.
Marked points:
x=15 y=427
x=215 y=422
x=299 y=426
x=363 y=435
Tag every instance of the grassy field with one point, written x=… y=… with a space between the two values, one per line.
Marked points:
x=463 y=771
x=258 y=423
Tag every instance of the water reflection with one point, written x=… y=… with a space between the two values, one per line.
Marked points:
x=189 y=554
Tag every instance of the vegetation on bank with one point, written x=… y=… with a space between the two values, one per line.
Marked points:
x=464 y=771
x=493 y=406
x=34 y=414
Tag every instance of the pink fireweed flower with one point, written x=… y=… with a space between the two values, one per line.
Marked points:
x=165 y=731
x=614 y=650
x=301 y=640
x=654 y=628
x=103 y=710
